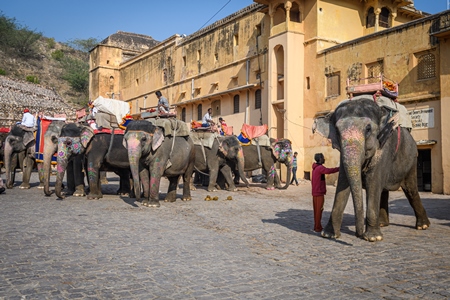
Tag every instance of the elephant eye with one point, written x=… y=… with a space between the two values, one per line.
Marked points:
x=368 y=129
x=68 y=143
x=143 y=139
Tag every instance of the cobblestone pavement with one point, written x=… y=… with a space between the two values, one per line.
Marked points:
x=259 y=245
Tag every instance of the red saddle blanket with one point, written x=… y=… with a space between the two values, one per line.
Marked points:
x=251 y=131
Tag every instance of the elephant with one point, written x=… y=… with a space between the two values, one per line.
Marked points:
x=102 y=152
x=371 y=158
x=152 y=154
x=75 y=175
x=224 y=153
x=20 y=144
x=278 y=151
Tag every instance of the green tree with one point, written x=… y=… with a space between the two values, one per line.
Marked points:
x=76 y=72
x=84 y=45
x=16 y=38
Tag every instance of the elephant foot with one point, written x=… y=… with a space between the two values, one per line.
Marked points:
x=170 y=200
x=329 y=233
x=186 y=198
x=41 y=186
x=152 y=203
x=233 y=189
x=24 y=186
x=422 y=224
x=212 y=189
x=373 y=235
x=94 y=196
x=79 y=194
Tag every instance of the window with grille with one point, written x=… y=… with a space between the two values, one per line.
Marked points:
x=236 y=104
x=383 y=18
x=258 y=99
x=199 y=112
x=426 y=66
x=370 y=19
x=374 y=70
x=333 y=85
x=183 y=114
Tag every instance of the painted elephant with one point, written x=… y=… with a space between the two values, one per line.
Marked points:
x=153 y=155
x=278 y=151
x=22 y=143
x=103 y=152
x=75 y=175
x=371 y=158
x=224 y=154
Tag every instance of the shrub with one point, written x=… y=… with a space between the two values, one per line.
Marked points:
x=32 y=79
x=58 y=55
x=2 y=72
x=51 y=43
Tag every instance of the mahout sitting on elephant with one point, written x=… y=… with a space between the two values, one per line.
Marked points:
x=102 y=151
x=160 y=148
x=371 y=158
x=214 y=153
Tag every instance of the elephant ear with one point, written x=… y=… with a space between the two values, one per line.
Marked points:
x=28 y=138
x=158 y=138
x=325 y=127
x=224 y=147
x=86 y=135
x=276 y=148
x=389 y=121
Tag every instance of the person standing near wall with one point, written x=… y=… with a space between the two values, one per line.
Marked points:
x=294 y=169
x=319 y=188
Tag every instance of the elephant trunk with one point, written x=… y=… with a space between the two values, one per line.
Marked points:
x=61 y=168
x=240 y=165
x=7 y=157
x=288 y=173
x=134 y=156
x=48 y=153
x=352 y=159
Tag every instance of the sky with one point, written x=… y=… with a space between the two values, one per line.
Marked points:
x=82 y=19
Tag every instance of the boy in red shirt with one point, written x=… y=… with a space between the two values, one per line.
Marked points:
x=319 y=188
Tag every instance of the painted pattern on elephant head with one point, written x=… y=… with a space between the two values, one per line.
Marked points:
x=282 y=150
x=68 y=146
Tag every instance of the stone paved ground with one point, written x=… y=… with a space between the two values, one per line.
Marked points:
x=257 y=246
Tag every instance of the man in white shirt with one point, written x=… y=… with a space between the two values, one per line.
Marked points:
x=207 y=118
x=27 y=119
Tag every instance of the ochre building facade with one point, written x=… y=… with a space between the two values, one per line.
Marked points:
x=282 y=63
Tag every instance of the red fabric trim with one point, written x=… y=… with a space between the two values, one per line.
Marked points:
x=109 y=131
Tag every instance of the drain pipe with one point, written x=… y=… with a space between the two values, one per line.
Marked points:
x=247 y=105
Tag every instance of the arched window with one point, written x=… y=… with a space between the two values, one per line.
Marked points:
x=384 y=18
x=258 y=99
x=294 y=13
x=199 y=112
x=183 y=114
x=236 y=104
x=370 y=19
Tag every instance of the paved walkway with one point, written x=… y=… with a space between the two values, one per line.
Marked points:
x=260 y=245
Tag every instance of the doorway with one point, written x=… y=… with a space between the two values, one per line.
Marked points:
x=424 y=170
